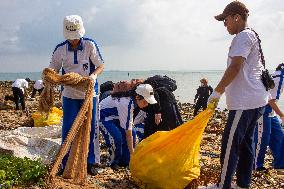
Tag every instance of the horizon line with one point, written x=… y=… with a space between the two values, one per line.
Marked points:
x=128 y=71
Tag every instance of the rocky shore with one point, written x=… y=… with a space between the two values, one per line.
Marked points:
x=107 y=178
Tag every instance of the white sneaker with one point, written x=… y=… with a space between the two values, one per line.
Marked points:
x=210 y=186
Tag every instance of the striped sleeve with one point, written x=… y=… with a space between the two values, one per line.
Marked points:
x=56 y=59
x=279 y=84
x=125 y=109
x=95 y=54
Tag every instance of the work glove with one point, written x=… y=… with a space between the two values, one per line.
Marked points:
x=93 y=77
x=282 y=120
x=214 y=98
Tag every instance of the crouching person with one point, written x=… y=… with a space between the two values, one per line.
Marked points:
x=116 y=117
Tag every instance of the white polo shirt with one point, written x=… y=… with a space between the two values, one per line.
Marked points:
x=83 y=61
x=38 y=84
x=278 y=77
x=21 y=83
x=118 y=109
x=246 y=91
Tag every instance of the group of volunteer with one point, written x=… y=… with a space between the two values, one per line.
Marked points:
x=131 y=111
x=117 y=106
x=20 y=91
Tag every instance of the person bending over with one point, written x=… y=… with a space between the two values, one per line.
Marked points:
x=19 y=88
x=116 y=123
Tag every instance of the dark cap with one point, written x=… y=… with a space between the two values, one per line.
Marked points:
x=280 y=67
x=28 y=79
x=235 y=7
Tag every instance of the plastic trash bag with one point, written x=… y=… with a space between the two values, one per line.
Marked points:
x=170 y=159
x=52 y=118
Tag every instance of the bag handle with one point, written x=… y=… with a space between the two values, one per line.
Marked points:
x=259 y=45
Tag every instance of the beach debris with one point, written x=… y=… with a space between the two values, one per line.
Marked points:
x=108 y=179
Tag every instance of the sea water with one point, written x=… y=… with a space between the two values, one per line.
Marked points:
x=187 y=81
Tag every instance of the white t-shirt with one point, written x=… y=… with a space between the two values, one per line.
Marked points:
x=118 y=109
x=21 y=83
x=83 y=61
x=38 y=84
x=246 y=91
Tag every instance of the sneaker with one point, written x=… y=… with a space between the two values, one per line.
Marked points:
x=262 y=169
x=211 y=186
x=60 y=172
x=280 y=171
x=92 y=170
x=234 y=186
x=115 y=167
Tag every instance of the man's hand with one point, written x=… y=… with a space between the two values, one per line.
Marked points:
x=214 y=98
x=158 y=118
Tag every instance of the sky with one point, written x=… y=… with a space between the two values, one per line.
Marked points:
x=180 y=35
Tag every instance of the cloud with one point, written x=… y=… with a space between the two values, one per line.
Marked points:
x=138 y=34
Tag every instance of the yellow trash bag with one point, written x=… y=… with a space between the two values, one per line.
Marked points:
x=52 y=118
x=170 y=159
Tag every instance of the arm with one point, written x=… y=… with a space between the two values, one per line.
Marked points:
x=230 y=73
x=97 y=60
x=25 y=87
x=125 y=110
x=129 y=139
x=210 y=89
x=275 y=107
x=98 y=70
x=56 y=60
x=197 y=95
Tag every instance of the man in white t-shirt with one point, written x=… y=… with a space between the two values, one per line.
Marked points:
x=38 y=87
x=245 y=94
x=19 y=88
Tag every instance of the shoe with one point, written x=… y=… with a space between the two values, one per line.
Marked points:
x=60 y=172
x=263 y=169
x=234 y=186
x=92 y=170
x=280 y=171
x=211 y=186
x=115 y=167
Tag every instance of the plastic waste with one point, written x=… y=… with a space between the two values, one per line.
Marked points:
x=42 y=119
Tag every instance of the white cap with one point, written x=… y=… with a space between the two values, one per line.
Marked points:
x=73 y=27
x=147 y=92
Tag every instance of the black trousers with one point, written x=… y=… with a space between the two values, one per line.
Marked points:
x=18 y=96
x=199 y=104
x=36 y=90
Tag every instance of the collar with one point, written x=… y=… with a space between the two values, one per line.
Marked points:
x=79 y=47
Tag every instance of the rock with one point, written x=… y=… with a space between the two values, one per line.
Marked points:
x=6 y=152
